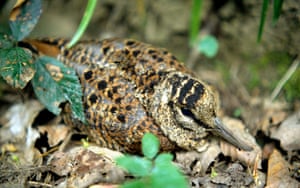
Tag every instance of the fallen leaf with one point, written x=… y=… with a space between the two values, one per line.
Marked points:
x=249 y=158
x=17 y=122
x=87 y=166
x=278 y=172
x=195 y=163
x=233 y=176
x=271 y=118
x=288 y=133
x=55 y=132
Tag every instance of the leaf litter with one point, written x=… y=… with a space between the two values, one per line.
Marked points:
x=25 y=156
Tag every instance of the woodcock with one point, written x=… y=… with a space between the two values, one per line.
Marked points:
x=131 y=88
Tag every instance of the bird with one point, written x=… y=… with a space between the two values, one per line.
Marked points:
x=131 y=88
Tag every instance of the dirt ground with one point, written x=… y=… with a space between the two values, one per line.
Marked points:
x=34 y=150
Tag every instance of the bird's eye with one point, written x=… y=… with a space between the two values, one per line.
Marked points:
x=188 y=113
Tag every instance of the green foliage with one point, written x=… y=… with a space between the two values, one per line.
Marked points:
x=277 y=5
x=22 y=20
x=150 y=145
x=15 y=158
x=292 y=87
x=16 y=66
x=52 y=81
x=153 y=170
x=213 y=173
x=135 y=165
x=55 y=83
x=207 y=44
x=274 y=64
x=276 y=13
x=237 y=112
x=84 y=22
x=6 y=41
x=195 y=20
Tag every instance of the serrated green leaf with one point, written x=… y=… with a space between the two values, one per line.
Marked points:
x=6 y=41
x=137 y=166
x=24 y=17
x=150 y=145
x=16 y=66
x=164 y=158
x=208 y=45
x=55 y=83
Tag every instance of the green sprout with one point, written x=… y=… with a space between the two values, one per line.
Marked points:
x=153 y=170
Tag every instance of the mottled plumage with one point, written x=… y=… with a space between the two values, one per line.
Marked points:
x=131 y=88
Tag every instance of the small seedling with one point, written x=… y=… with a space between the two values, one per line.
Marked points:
x=15 y=158
x=213 y=173
x=85 y=142
x=152 y=170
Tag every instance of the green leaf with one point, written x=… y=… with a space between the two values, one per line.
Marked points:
x=6 y=41
x=55 y=83
x=135 y=184
x=276 y=10
x=167 y=176
x=137 y=166
x=164 y=158
x=213 y=173
x=237 y=112
x=208 y=45
x=262 y=19
x=16 y=66
x=84 y=22
x=24 y=17
x=150 y=145
x=195 y=21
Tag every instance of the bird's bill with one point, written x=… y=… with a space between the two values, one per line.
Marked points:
x=229 y=135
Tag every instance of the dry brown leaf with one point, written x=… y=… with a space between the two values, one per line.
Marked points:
x=195 y=163
x=87 y=166
x=247 y=157
x=17 y=129
x=272 y=117
x=288 y=133
x=233 y=176
x=268 y=150
x=55 y=133
x=18 y=120
x=8 y=148
x=278 y=172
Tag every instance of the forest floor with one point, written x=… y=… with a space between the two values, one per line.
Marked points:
x=38 y=149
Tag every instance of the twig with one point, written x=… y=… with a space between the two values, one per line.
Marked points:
x=38 y=184
x=284 y=79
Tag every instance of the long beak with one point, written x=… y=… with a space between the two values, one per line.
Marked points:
x=230 y=136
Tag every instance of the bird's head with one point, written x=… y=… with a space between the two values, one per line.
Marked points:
x=187 y=112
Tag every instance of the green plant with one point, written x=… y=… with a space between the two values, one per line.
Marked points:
x=207 y=44
x=152 y=170
x=90 y=8
x=292 y=88
x=277 y=5
x=52 y=81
